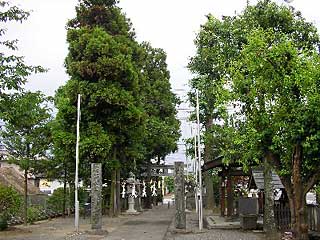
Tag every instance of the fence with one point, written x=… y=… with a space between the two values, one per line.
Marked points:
x=313 y=217
x=38 y=199
x=283 y=217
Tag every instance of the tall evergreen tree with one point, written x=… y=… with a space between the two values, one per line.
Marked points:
x=160 y=104
x=162 y=127
x=111 y=72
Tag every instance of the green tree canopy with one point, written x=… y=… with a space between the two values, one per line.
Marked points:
x=162 y=126
x=13 y=70
x=269 y=56
x=26 y=134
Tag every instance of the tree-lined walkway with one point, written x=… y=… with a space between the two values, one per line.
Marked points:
x=192 y=232
x=155 y=224
x=152 y=224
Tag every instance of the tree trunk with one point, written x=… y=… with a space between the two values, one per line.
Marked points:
x=64 y=193
x=148 y=189
x=269 y=225
x=229 y=195
x=207 y=176
x=25 y=212
x=299 y=224
x=112 y=211
x=118 y=212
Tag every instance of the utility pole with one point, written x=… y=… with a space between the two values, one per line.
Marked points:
x=199 y=167
x=76 y=201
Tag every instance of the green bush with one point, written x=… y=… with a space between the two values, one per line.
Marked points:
x=33 y=214
x=55 y=201
x=10 y=202
x=169 y=183
x=3 y=223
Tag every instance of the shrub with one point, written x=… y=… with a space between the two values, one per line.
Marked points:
x=169 y=183
x=55 y=201
x=10 y=202
x=34 y=214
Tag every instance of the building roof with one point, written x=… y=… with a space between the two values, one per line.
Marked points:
x=259 y=180
x=9 y=176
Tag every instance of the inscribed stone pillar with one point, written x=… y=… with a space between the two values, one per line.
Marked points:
x=180 y=216
x=96 y=200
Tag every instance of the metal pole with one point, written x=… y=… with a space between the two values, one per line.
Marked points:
x=76 y=214
x=187 y=162
x=195 y=169
x=199 y=166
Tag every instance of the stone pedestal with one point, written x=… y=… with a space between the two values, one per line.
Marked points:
x=131 y=205
x=96 y=201
x=131 y=183
x=138 y=205
x=248 y=221
x=180 y=216
x=248 y=206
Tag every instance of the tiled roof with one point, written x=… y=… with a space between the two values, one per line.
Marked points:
x=259 y=180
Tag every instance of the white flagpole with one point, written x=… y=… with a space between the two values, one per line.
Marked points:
x=199 y=166
x=195 y=169
x=76 y=214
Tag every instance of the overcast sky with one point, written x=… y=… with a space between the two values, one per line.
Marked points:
x=168 y=24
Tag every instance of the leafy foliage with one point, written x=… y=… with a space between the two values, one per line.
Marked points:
x=272 y=75
x=169 y=183
x=10 y=202
x=127 y=109
x=26 y=134
x=13 y=70
x=162 y=127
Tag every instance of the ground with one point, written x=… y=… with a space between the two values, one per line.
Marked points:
x=155 y=224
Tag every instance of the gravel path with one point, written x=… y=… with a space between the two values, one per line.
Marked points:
x=155 y=224
x=216 y=234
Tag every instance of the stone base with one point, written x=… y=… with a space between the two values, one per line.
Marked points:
x=99 y=232
x=131 y=213
x=248 y=221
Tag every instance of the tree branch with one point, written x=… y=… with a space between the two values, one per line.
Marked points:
x=310 y=182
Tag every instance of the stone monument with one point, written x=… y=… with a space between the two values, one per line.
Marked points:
x=96 y=185
x=131 y=190
x=179 y=189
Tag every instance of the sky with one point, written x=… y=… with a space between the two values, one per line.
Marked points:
x=168 y=24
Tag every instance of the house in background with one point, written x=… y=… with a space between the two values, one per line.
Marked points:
x=3 y=150
x=257 y=182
